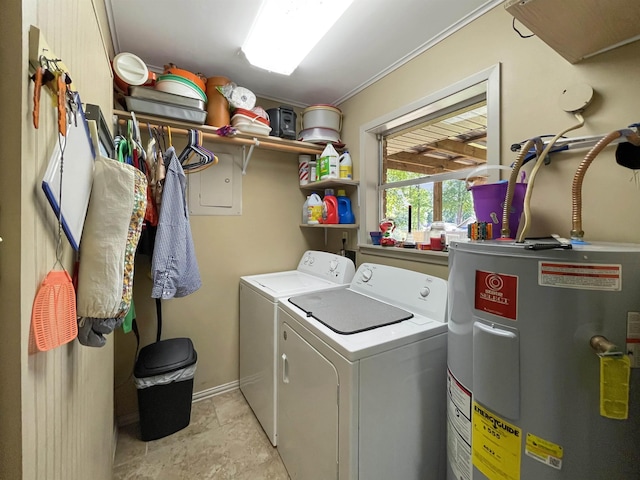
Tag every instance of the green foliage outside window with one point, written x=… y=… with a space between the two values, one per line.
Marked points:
x=457 y=203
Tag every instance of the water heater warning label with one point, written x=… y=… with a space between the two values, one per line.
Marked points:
x=586 y=276
x=458 y=428
x=497 y=293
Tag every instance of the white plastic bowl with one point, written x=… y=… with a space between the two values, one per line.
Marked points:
x=179 y=88
x=319 y=135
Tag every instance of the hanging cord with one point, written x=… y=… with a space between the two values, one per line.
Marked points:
x=532 y=177
x=513 y=24
x=62 y=145
x=576 y=188
x=159 y=319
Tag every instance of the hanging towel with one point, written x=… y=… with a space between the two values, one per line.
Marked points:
x=109 y=240
x=174 y=267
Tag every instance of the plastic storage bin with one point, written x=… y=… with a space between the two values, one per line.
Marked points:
x=164 y=381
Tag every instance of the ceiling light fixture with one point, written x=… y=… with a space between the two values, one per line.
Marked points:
x=302 y=23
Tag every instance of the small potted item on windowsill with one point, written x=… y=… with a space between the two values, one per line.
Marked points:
x=386 y=227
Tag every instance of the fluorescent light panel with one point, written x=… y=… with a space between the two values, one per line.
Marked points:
x=285 y=31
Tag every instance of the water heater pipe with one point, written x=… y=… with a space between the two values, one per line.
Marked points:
x=576 y=189
x=505 y=232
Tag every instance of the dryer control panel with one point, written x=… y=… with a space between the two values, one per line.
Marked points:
x=326 y=265
x=417 y=292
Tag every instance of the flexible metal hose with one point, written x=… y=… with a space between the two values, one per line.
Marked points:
x=576 y=189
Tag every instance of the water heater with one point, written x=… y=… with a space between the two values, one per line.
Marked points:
x=543 y=362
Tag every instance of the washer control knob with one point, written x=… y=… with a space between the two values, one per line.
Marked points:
x=366 y=275
x=424 y=292
x=311 y=260
x=306 y=258
x=333 y=265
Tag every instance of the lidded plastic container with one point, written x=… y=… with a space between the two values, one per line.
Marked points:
x=437 y=236
x=130 y=70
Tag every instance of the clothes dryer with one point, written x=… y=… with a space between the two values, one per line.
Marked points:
x=259 y=298
x=362 y=377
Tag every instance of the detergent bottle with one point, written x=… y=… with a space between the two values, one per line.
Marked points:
x=345 y=214
x=305 y=211
x=328 y=163
x=346 y=166
x=329 y=207
x=314 y=209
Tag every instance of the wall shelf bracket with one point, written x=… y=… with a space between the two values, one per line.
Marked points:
x=246 y=157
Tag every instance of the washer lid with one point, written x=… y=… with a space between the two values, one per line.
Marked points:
x=347 y=312
x=288 y=283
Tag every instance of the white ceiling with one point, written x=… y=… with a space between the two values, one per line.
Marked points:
x=372 y=38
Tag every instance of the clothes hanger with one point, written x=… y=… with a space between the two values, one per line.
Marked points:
x=194 y=148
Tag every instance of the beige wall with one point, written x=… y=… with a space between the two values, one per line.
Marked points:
x=10 y=248
x=533 y=77
x=60 y=403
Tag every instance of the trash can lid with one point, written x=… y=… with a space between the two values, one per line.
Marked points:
x=165 y=356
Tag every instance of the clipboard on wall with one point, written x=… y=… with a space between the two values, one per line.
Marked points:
x=77 y=176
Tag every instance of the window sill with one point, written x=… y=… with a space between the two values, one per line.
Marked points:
x=424 y=256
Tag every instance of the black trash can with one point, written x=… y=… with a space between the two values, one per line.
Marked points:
x=164 y=381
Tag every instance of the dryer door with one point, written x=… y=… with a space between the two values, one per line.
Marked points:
x=307 y=409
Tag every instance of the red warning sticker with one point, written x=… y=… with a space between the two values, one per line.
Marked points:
x=497 y=293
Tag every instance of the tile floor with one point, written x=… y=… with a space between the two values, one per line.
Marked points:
x=223 y=441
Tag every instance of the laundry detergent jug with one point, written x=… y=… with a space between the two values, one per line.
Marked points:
x=329 y=207
x=328 y=163
x=314 y=209
x=345 y=213
x=346 y=166
x=305 y=211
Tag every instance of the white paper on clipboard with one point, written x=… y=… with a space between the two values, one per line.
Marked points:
x=77 y=176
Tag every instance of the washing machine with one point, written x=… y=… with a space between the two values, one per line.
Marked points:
x=259 y=298
x=362 y=378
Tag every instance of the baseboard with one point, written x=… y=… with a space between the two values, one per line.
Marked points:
x=130 y=418
x=212 y=392
x=114 y=441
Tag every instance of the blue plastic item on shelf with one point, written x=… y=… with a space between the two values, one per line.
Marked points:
x=345 y=213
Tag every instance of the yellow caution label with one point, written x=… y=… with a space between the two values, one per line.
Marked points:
x=614 y=386
x=495 y=445
x=544 y=451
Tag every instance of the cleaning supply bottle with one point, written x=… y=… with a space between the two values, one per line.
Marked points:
x=314 y=209
x=305 y=211
x=346 y=166
x=328 y=163
x=345 y=213
x=329 y=207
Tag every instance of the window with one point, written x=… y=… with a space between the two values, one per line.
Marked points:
x=424 y=153
x=417 y=160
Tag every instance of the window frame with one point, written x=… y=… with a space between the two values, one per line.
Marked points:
x=485 y=82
